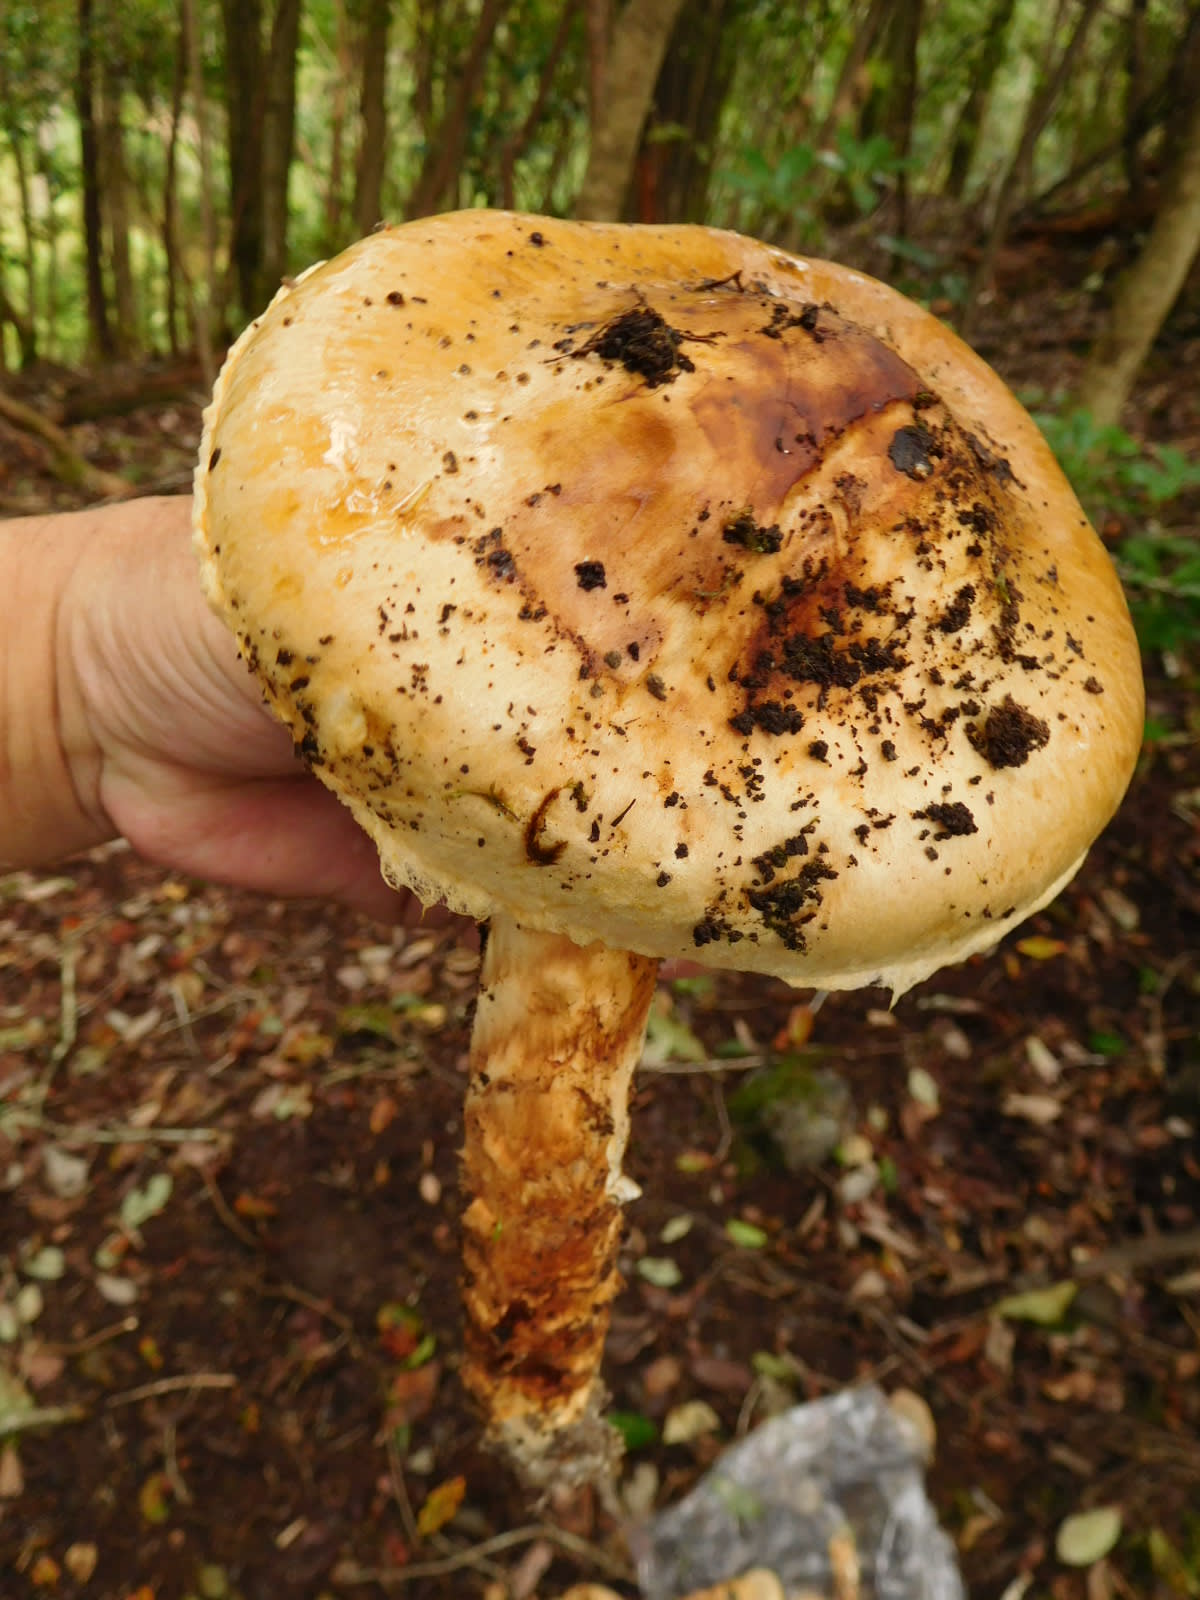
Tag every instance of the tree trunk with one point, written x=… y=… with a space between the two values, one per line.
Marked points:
x=45 y=166
x=170 y=221
x=243 y=102
x=974 y=109
x=445 y=152
x=1041 y=106
x=890 y=110
x=335 y=200
x=372 y=151
x=206 y=303
x=26 y=326
x=1146 y=293
x=638 y=45
x=99 y=331
x=22 y=326
x=693 y=82
x=599 y=28
x=844 y=95
x=114 y=188
x=278 y=142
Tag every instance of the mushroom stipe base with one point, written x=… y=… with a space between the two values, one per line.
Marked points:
x=558 y=1034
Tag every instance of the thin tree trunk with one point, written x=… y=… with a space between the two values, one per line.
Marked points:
x=339 y=96
x=974 y=109
x=372 y=150
x=599 y=28
x=45 y=171
x=693 y=82
x=99 y=329
x=638 y=45
x=170 y=222
x=115 y=206
x=205 y=304
x=1146 y=293
x=896 y=104
x=1016 y=178
x=853 y=63
x=444 y=156
x=26 y=331
x=278 y=143
x=243 y=101
x=22 y=326
x=516 y=145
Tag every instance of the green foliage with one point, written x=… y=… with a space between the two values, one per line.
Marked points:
x=796 y=188
x=1118 y=476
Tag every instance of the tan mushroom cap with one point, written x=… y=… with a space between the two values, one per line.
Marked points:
x=664 y=589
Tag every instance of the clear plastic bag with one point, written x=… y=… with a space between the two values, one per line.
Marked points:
x=830 y=1497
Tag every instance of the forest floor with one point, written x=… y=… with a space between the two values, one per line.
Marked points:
x=229 y=1318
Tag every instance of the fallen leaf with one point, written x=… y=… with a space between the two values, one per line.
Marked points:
x=669 y=1040
x=148 y=1200
x=45 y=1573
x=1088 y=1536
x=116 y=1290
x=661 y=1271
x=66 y=1174
x=80 y=1561
x=154 y=1499
x=746 y=1235
x=923 y=1088
x=440 y=1505
x=691 y=1420
x=47 y=1264
x=1042 y=1059
x=1046 y=1307
x=676 y=1228
x=12 y=1479
x=1040 y=1109
x=636 y=1430
x=1039 y=948
x=410 y=1395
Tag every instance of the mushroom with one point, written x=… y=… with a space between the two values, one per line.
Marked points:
x=648 y=592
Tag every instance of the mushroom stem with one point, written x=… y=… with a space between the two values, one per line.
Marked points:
x=558 y=1033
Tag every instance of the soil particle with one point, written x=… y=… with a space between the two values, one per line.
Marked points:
x=744 y=531
x=958 y=613
x=1009 y=735
x=772 y=716
x=953 y=819
x=787 y=905
x=644 y=343
x=591 y=574
x=912 y=451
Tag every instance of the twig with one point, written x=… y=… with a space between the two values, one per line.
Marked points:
x=171 y=1467
x=289 y=1291
x=723 y=1122
x=225 y=1214
x=710 y=1064
x=39 y=1417
x=400 y=1490
x=117 y=1132
x=184 y=1382
x=101 y=1336
x=68 y=1014
x=353 y=1576
x=1148 y=1252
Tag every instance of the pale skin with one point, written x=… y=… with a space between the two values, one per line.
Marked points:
x=126 y=712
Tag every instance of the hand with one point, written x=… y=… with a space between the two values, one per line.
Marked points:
x=166 y=737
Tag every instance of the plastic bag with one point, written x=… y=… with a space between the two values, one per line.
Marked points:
x=828 y=1496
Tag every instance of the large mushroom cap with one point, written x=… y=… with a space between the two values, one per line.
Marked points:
x=667 y=590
